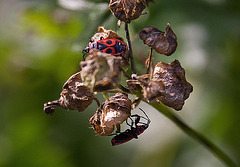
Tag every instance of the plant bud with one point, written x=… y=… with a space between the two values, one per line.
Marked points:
x=127 y=10
x=75 y=96
x=163 y=43
x=113 y=112
x=176 y=87
x=101 y=71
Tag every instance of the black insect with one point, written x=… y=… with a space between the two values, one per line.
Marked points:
x=133 y=132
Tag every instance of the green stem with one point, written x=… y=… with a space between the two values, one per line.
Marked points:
x=105 y=95
x=194 y=134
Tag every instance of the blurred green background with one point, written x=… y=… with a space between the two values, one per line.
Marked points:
x=40 y=48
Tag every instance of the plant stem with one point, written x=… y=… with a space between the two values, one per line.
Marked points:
x=194 y=134
x=105 y=95
x=149 y=60
x=130 y=49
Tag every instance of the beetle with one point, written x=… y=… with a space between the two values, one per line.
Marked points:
x=133 y=132
x=111 y=46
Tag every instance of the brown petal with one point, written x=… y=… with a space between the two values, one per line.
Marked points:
x=163 y=43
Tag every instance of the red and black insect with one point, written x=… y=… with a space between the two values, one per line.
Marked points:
x=111 y=46
x=129 y=134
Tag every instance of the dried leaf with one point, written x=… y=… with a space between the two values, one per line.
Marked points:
x=163 y=43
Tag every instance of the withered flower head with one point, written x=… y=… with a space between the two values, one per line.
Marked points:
x=110 y=34
x=163 y=43
x=96 y=122
x=113 y=112
x=127 y=10
x=177 y=89
x=101 y=71
x=75 y=96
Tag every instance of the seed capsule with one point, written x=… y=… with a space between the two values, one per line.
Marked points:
x=175 y=84
x=75 y=96
x=127 y=10
x=101 y=71
x=163 y=43
x=113 y=112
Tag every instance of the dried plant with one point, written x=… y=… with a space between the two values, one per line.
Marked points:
x=101 y=73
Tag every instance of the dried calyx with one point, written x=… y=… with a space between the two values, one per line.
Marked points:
x=162 y=42
x=75 y=96
x=168 y=85
x=127 y=10
x=113 y=112
x=177 y=89
x=101 y=71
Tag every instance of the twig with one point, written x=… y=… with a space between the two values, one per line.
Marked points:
x=148 y=61
x=130 y=49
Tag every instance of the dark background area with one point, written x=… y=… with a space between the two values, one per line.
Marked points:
x=40 y=48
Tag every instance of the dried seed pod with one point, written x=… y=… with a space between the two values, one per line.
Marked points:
x=173 y=78
x=96 y=122
x=75 y=96
x=127 y=10
x=163 y=43
x=110 y=34
x=113 y=112
x=101 y=71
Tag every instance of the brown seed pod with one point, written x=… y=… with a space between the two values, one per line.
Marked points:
x=173 y=78
x=96 y=122
x=101 y=71
x=75 y=96
x=127 y=10
x=163 y=43
x=113 y=112
x=110 y=34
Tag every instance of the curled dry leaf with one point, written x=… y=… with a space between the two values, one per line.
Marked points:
x=110 y=34
x=177 y=89
x=127 y=10
x=75 y=96
x=112 y=112
x=101 y=71
x=163 y=43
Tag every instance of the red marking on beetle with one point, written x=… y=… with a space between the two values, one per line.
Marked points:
x=111 y=46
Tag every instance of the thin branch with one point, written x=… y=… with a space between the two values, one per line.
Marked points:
x=194 y=134
x=148 y=61
x=130 y=49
